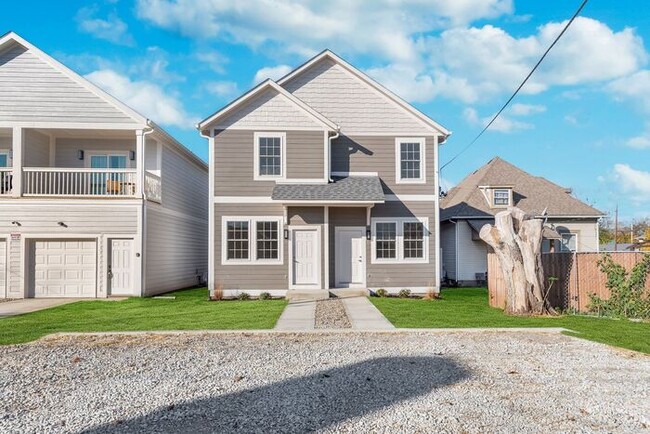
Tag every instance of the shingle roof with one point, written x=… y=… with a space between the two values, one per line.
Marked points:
x=531 y=193
x=352 y=188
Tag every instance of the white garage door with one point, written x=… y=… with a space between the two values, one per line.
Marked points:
x=64 y=268
x=3 y=268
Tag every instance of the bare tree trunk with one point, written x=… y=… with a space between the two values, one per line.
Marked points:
x=517 y=241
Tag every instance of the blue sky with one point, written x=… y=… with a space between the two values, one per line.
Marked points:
x=583 y=121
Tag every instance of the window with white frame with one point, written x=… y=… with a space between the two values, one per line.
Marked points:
x=400 y=240
x=569 y=242
x=409 y=159
x=250 y=240
x=269 y=155
x=501 y=197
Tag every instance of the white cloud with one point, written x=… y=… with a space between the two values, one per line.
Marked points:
x=571 y=119
x=642 y=141
x=519 y=109
x=634 y=87
x=505 y=123
x=215 y=61
x=143 y=96
x=475 y=64
x=111 y=28
x=272 y=72
x=223 y=89
x=386 y=27
x=635 y=183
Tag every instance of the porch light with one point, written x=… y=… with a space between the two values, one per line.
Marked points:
x=80 y=154
x=286 y=234
x=368 y=234
x=131 y=155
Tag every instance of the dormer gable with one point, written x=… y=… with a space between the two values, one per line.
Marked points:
x=498 y=196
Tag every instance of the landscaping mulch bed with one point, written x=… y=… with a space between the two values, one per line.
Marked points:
x=330 y=314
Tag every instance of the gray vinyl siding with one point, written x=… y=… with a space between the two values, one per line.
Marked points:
x=306 y=154
x=448 y=246
x=345 y=99
x=176 y=250
x=404 y=275
x=377 y=154
x=31 y=90
x=472 y=254
x=66 y=150
x=234 y=160
x=184 y=184
x=244 y=277
x=37 y=149
x=42 y=219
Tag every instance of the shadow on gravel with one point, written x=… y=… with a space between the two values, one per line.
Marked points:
x=306 y=403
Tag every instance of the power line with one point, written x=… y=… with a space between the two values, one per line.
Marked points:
x=520 y=86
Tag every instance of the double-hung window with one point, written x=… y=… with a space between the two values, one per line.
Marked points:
x=569 y=242
x=251 y=240
x=400 y=240
x=501 y=197
x=409 y=159
x=269 y=155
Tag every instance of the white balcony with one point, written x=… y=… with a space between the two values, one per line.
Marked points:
x=6 y=176
x=81 y=182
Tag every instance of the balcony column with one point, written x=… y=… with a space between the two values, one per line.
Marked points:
x=139 y=161
x=17 y=162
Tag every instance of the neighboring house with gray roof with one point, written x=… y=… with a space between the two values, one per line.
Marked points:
x=571 y=225
x=319 y=181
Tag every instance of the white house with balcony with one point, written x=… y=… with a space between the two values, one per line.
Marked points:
x=96 y=200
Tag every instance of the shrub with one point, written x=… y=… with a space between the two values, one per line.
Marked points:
x=627 y=294
x=381 y=292
x=265 y=296
x=243 y=296
x=404 y=293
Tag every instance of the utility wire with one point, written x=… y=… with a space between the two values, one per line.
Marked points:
x=520 y=86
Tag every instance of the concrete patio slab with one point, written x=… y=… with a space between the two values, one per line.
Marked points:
x=298 y=315
x=27 y=305
x=363 y=315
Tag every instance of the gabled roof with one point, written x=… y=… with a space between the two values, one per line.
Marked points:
x=533 y=194
x=12 y=37
x=259 y=89
x=349 y=189
x=328 y=54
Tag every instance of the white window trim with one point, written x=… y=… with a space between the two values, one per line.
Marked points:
x=256 y=155
x=398 y=160
x=399 y=221
x=89 y=154
x=494 y=191
x=252 y=241
x=562 y=244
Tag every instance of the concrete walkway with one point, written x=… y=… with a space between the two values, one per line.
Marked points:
x=27 y=305
x=363 y=315
x=297 y=316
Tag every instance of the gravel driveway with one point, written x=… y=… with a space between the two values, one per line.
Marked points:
x=334 y=382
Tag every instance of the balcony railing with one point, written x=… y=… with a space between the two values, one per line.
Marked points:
x=153 y=187
x=6 y=178
x=45 y=181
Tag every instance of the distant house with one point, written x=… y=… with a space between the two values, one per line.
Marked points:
x=571 y=225
x=620 y=247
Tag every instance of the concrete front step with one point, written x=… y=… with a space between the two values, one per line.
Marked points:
x=349 y=292
x=296 y=295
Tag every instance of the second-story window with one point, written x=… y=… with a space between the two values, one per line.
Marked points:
x=269 y=155
x=501 y=197
x=409 y=159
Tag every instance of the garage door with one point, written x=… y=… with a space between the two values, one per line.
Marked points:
x=64 y=268
x=3 y=267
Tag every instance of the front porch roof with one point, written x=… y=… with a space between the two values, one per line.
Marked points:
x=349 y=189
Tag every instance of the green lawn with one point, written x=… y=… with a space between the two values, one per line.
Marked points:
x=468 y=308
x=191 y=310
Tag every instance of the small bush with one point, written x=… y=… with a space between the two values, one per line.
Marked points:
x=243 y=296
x=265 y=296
x=404 y=293
x=381 y=292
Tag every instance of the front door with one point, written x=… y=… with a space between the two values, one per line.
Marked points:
x=306 y=258
x=120 y=268
x=350 y=254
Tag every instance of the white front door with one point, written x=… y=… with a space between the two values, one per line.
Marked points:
x=120 y=268
x=306 y=258
x=350 y=253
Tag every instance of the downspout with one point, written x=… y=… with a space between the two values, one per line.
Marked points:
x=145 y=132
x=436 y=185
x=329 y=152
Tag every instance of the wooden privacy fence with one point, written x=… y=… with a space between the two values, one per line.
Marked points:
x=578 y=275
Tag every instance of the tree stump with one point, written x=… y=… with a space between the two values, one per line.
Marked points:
x=517 y=241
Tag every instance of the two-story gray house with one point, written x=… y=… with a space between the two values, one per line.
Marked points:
x=322 y=180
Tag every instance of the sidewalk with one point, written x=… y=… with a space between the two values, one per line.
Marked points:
x=27 y=305
x=297 y=316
